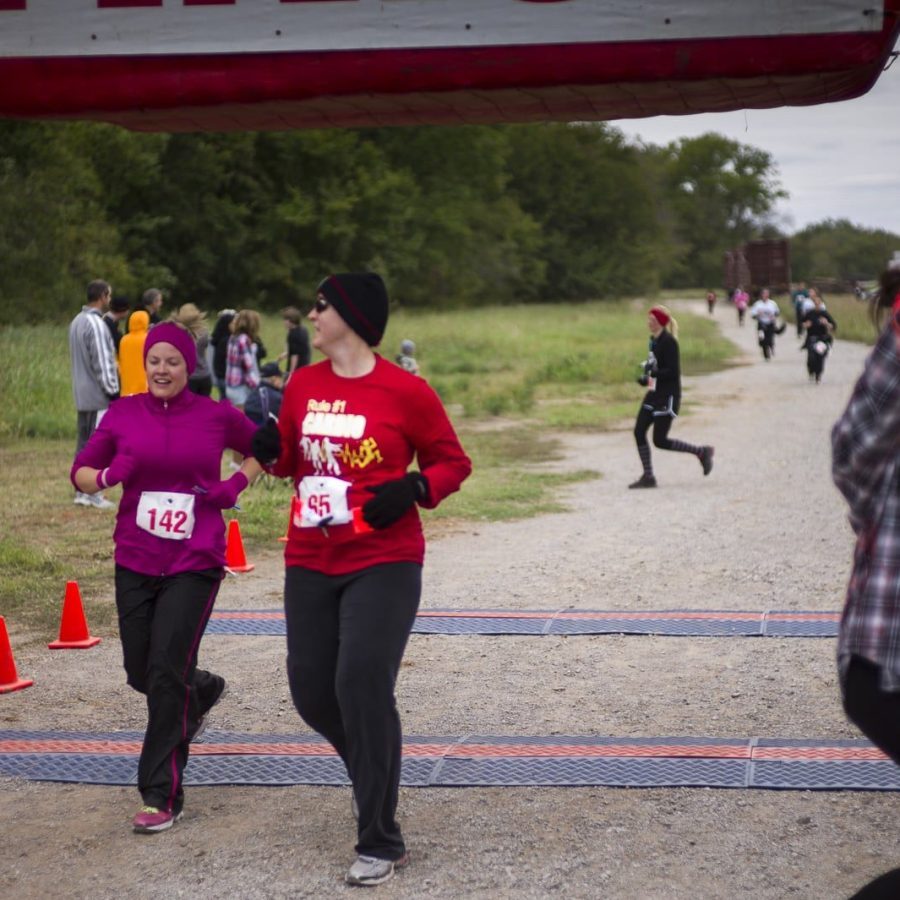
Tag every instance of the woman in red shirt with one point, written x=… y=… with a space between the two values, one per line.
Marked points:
x=349 y=428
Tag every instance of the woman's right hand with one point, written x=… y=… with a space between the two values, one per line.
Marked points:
x=267 y=443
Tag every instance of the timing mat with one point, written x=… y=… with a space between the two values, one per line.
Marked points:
x=679 y=622
x=225 y=758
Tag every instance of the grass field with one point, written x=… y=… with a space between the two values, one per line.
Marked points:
x=536 y=370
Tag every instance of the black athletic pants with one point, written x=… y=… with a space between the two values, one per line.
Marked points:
x=661 y=425
x=161 y=621
x=766 y=334
x=874 y=711
x=815 y=362
x=345 y=638
x=86 y=425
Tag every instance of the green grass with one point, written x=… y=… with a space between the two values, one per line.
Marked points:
x=567 y=365
x=513 y=378
x=851 y=315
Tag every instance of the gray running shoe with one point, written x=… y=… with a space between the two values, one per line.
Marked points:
x=369 y=870
x=98 y=501
x=82 y=499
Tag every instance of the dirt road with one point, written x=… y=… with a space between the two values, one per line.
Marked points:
x=766 y=530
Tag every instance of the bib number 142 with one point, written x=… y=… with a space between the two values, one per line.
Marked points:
x=166 y=514
x=173 y=521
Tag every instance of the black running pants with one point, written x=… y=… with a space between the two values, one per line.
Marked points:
x=161 y=622
x=346 y=635
x=874 y=711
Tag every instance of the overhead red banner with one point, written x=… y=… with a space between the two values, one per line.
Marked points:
x=277 y=64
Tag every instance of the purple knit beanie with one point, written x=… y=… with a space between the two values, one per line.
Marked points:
x=178 y=337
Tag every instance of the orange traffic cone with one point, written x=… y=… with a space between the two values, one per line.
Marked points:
x=295 y=502
x=235 y=558
x=9 y=677
x=73 y=629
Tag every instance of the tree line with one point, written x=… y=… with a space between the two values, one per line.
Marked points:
x=450 y=216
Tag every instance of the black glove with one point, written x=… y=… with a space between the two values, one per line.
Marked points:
x=393 y=498
x=644 y=380
x=267 y=443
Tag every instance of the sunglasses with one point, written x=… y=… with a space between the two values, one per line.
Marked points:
x=321 y=305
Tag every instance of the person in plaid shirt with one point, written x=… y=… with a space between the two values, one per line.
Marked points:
x=865 y=443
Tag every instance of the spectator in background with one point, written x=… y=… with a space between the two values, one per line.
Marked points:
x=131 y=354
x=95 y=376
x=191 y=318
x=152 y=301
x=242 y=362
x=118 y=310
x=865 y=469
x=219 y=343
x=298 y=352
x=711 y=301
x=406 y=358
x=266 y=398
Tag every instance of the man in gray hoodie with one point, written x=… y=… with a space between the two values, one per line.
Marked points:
x=95 y=375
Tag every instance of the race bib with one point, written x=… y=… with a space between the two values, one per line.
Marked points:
x=166 y=515
x=323 y=501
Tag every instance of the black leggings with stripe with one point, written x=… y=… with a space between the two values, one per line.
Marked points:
x=161 y=622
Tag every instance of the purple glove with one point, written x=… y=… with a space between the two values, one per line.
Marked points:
x=120 y=470
x=224 y=494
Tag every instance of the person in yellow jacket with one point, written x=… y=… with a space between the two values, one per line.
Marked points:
x=131 y=354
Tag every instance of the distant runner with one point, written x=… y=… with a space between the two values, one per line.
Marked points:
x=662 y=374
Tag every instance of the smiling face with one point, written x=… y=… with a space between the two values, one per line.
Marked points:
x=167 y=373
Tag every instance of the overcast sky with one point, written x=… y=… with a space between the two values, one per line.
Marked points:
x=837 y=160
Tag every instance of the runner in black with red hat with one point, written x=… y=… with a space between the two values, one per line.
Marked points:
x=662 y=374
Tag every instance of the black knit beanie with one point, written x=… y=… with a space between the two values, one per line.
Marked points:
x=361 y=301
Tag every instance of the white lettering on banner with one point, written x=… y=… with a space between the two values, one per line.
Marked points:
x=339 y=425
x=153 y=27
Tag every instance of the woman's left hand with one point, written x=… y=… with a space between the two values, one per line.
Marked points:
x=393 y=498
x=224 y=495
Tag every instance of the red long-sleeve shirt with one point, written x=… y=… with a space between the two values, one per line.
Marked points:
x=365 y=431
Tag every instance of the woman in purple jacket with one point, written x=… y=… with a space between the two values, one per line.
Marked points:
x=165 y=449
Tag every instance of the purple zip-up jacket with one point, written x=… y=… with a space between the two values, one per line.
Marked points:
x=178 y=444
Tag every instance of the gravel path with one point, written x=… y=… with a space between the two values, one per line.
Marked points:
x=766 y=530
